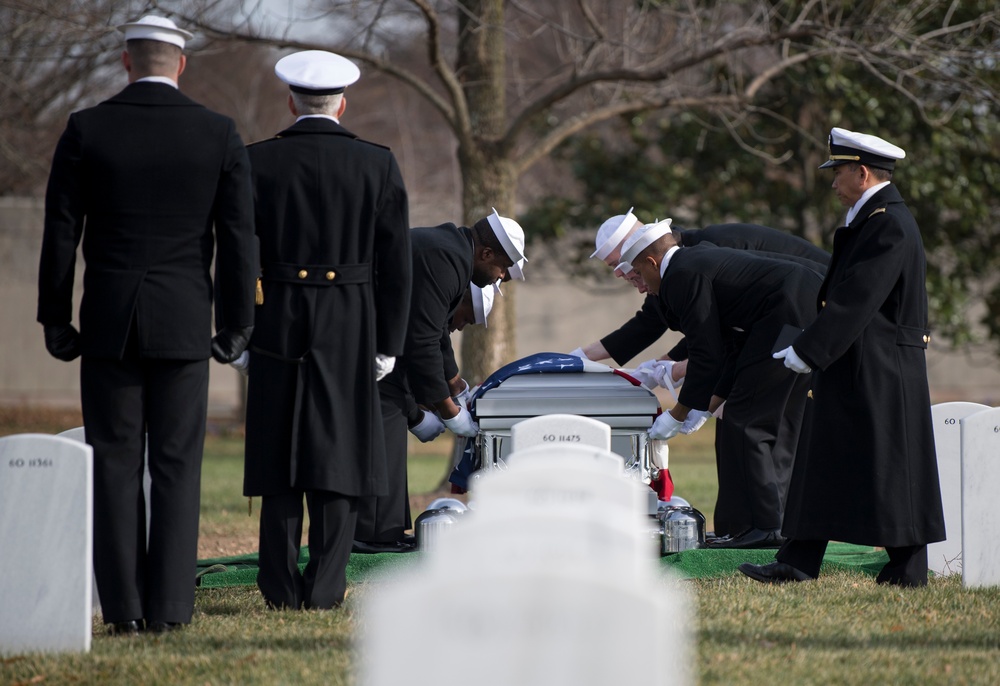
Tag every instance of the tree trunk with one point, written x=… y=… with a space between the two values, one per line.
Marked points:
x=488 y=180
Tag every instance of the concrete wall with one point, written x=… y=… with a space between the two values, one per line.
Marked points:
x=553 y=313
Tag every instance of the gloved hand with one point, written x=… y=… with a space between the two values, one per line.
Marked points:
x=62 y=341
x=695 y=420
x=229 y=343
x=579 y=353
x=462 y=424
x=664 y=427
x=383 y=365
x=657 y=373
x=242 y=363
x=792 y=360
x=428 y=428
x=463 y=398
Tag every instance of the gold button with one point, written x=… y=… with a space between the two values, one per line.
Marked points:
x=331 y=275
x=823 y=304
x=927 y=339
x=809 y=394
x=303 y=273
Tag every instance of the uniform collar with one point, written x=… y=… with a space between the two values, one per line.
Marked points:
x=157 y=79
x=667 y=256
x=317 y=116
x=865 y=197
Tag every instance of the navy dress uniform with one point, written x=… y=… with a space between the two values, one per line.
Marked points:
x=332 y=220
x=384 y=520
x=869 y=441
x=711 y=292
x=144 y=178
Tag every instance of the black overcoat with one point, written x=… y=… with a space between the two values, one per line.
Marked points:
x=868 y=472
x=124 y=168
x=331 y=216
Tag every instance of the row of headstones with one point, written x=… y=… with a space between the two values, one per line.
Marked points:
x=549 y=579
x=46 y=527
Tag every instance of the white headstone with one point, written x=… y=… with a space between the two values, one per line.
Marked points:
x=945 y=557
x=551 y=580
x=980 y=514
x=78 y=434
x=556 y=429
x=602 y=457
x=46 y=540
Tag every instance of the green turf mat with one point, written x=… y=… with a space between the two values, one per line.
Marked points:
x=241 y=570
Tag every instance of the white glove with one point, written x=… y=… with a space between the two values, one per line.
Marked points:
x=464 y=396
x=579 y=353
x=383 y=365
x=429 y=428
x=242 y=363
x=792 y=360
x=695 y=420
x=664 y=427
x=658 y=373
x=462 y=424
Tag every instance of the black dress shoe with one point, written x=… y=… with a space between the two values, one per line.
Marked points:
x=129 y=628
x=382 y=547
x=158 y=627
x=751 y=538
x=773 y=573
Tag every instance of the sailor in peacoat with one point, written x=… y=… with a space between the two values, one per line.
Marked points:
x=153 y=183
x=712 y=292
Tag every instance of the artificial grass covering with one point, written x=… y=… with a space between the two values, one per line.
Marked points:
x=241 y=570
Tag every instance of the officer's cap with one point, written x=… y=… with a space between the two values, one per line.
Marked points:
x=511 y=236
x=317 y=72
x=644 y=237
x=152 y=27
x=848 y=146
x=482 y=302
x=612 y=233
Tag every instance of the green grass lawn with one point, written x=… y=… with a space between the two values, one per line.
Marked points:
x=842 y=629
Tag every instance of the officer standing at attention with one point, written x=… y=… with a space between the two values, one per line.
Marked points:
x=145 y=178
x=332 y=219
x=869 y=439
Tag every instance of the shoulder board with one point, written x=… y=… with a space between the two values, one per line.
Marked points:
x=879 y=210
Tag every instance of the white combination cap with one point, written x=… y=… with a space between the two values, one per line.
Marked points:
x=848 y=146
x=317 y=72
x=644 y=237
x=482 y=302
x=612 y=233
x=152 y=27
x=511 y=236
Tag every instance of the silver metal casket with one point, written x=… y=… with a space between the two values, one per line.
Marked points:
x=629 y=410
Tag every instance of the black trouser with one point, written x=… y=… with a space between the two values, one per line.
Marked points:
x=907 y=565
x=332 y=518
x=755 y=444
x=123 y=401
x=383 y=519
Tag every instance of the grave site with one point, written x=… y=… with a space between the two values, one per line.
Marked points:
x=574 y=556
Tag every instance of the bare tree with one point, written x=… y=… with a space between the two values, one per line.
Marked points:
x=512 y=79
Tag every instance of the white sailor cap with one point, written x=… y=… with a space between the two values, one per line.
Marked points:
x=848 y=146
x=152 y=27
x=511 y=236
x=516 y=271
x=482 y=302
x=612 y=232
x=317 y=72
x=644 y=237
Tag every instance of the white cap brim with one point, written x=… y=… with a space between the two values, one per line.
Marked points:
x=156 y=28
x=317 y=70
x=482 y=302
x=643 y=238
x=617 y=236
x=500 y=231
